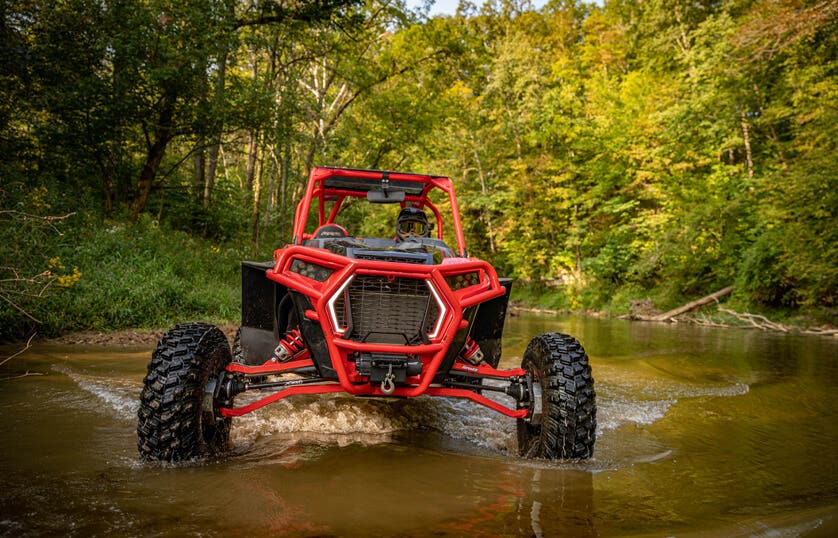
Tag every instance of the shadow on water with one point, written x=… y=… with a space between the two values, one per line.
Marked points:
x=701 y=432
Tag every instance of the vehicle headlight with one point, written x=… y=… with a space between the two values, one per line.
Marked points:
x=311 y=270
x=463 y=280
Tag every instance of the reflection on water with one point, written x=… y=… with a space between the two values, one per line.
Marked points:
x=701 y=431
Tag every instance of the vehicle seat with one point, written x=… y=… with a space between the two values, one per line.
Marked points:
x=330 y=231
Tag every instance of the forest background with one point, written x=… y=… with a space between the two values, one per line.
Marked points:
x=636 y=149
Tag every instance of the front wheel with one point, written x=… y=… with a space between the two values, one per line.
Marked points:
x=561 y=418
x=178 y=416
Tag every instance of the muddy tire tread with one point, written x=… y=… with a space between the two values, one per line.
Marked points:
x=170 y=426
x=568 y=428
x=238 y=354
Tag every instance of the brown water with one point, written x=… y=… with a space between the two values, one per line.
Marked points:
x=701 y=432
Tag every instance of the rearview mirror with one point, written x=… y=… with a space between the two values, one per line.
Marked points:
x=390 y=196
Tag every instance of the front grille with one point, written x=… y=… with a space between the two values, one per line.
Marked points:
x=400 y=257
x=380 y=310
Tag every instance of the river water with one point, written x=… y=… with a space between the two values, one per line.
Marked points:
x=708 y=432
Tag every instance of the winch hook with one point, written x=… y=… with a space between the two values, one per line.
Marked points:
x=387 y=386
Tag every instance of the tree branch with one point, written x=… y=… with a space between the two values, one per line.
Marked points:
x=19 y=309
x=27 y=346
x=691 y=305
x=756 y=320
x=27 y=374
x=48 y=219
x=308 y=12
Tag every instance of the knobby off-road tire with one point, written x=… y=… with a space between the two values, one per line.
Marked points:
x=238 y=354
x=561 y=385
x=173 y=426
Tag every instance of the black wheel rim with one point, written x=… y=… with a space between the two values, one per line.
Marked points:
x=530 y=430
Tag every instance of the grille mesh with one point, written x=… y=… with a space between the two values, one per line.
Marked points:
x=399 y=259
x=383 y=311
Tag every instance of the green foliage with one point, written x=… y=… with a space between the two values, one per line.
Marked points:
x=144 y=276
x=224 y=220
x=539 y=296
x=763 y=276
x=31 y=236
x=639 y=149
x=71 y=271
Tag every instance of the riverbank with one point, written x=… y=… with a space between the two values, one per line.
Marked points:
x=110 y=278
x=126 y=337
x=150 y=337
x=716 y=316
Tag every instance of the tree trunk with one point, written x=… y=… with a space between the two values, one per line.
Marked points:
x=312 y=149
x=215 y=141
x=212 y=166
x=156 y=151
x=690 y=306
x=147 y=177
x=577 y=244
x=283 y=186
x=484 y=190
x=252 y=148
x=108 y=175
x=271 y=188
x=117 y=184
x=746 y=135
x=257 y=195
x=199 y=171
x=254 y=135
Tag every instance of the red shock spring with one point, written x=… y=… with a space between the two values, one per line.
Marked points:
x=471 y=352
x=289 y=345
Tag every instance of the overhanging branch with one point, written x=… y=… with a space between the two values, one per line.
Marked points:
x=309 y=11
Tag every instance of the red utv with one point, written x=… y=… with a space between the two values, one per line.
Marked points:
x=401 y=316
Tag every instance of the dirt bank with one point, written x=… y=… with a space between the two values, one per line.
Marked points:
x=126 y=338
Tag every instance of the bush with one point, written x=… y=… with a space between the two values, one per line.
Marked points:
x=143 y=275
x=149 y=276
x=763 y=276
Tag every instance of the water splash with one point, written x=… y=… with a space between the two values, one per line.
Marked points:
x=635 y=397
x=121 y=397
x=341 y=419
x=345 y=419
x=615 y=412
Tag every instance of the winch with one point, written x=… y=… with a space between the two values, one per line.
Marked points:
x=387 y=369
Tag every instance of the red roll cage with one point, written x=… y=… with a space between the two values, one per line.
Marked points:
x=336 y=184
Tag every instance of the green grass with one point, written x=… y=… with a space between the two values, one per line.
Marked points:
x=137 y=276
x=540 y=297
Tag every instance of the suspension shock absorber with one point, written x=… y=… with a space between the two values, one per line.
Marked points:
x=289 y=345
x=471 y=352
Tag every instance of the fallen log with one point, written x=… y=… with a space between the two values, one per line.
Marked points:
x=757 y=321
x=666 y=316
